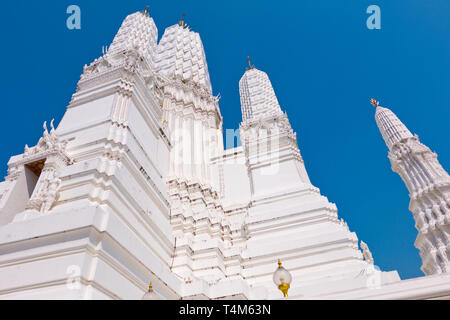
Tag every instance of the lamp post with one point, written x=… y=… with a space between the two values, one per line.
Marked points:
x=282 y=278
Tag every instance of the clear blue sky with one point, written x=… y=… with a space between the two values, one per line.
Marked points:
x=323 y=63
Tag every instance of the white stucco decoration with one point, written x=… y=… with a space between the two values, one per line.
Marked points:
x=135 y=186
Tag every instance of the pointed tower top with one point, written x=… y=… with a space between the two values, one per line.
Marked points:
x=258 y=98
x=180 y=55
x=391 y=128
x=137 y=32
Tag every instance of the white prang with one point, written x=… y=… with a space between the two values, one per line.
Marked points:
x=135 y=186
x=137 y=32
x=180 y=55
x=258 y=98
x=429 y=189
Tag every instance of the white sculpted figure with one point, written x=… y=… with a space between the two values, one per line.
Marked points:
x=366 y=252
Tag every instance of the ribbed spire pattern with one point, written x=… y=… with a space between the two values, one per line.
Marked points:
x=429 y=189
x=391 y=128
x=139 y=32
x=258 y=98
x=181 y=55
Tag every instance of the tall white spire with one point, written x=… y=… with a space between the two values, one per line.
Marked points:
x=195 y=127
x=429 y=189
x=189 y=107
x=265 y=131
x=258 y=98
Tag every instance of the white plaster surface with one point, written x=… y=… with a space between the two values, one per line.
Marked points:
x=137 y=187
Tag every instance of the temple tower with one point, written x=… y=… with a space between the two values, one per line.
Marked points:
x=286 y=216
x=92 y=192
x=134 y=187
x=192 y=117
x=429 y=189
x=268 y=139
x=191 y=112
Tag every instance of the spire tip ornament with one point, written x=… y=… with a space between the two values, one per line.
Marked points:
x=181 y=22
x=250 y=66
x=374 y=102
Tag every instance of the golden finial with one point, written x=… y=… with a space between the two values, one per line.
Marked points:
x=250 y=66
x=146 y=10
x=181 y=23
x=374 y=102
x=150 y=287
x=279 y=263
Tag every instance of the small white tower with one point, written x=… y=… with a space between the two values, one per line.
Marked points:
x=429 y=189
x=258 y=98
x=269 y=142
x=286 y=216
